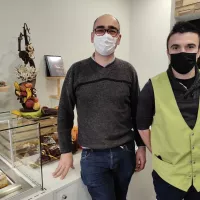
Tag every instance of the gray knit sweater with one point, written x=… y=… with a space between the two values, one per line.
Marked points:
x=106 y=101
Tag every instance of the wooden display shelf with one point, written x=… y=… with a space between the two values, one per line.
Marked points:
x=57 y=78
x=57 y=97
x=4 y=89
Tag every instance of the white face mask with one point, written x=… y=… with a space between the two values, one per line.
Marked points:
x=105 y=44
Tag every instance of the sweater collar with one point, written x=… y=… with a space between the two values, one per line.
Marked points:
x=93 y=58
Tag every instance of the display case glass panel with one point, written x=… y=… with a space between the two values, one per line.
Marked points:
x=20 y=156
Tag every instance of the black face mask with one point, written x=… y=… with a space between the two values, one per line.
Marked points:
x=183 y=62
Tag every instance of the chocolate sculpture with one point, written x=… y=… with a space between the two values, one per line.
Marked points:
x=25 y=91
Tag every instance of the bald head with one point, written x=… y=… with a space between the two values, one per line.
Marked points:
x=106 y=20
x=106 y=23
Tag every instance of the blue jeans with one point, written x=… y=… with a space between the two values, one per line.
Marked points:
x=165 y=191
x=107 y=173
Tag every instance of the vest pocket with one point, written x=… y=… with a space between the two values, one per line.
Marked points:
x=162 y=161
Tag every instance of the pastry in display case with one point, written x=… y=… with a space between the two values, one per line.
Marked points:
x=26 y=144
x=7 y=186
x=49 y=139
x=19 y=150
x=3 y=180
x=50 y=150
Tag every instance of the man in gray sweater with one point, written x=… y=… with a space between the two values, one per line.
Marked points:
x=105 y=91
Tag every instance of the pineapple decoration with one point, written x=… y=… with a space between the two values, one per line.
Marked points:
x=25 y=91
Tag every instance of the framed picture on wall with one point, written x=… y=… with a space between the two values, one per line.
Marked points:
x=54 y=66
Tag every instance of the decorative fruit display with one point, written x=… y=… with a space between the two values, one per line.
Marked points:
x=29 y=93
x=17 y=87
x=28 y=85
x=26 y=93
x=35 y=99
x=23 y=88
x=29 y=103
x=26 y=73
x=16 y=112
x=36 y=106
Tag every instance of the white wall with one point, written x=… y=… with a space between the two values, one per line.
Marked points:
x=150 y=26
x=58 y=27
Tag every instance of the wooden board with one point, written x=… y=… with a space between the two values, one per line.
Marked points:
x=185 y=10
x=4 y=89
x=47 y=121
x=55 y=77
x=189 y=2
x=18 y=145
x=57 y=97
x=48 y=130
x=178 y=3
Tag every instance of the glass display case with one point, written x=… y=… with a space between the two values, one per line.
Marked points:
x=20 y=157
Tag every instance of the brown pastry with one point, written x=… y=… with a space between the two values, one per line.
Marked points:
x=44 y=154
x=48 y=140
x=29 y=145
x=45 y=157
x=3 y=180
x=55 y=136
x=26 y=155
x=26 y=145
x=54 y=150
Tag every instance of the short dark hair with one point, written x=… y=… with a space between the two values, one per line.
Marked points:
x=101 y=16
x=183 y=27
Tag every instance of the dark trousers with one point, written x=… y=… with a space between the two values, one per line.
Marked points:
x=107 y=173
x=165 y=191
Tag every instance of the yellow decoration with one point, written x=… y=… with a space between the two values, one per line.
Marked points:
x=36 y=106
x=25 y=99
x=29 y=93
x=18 y=93
x=17 y=87
x=16 y=112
